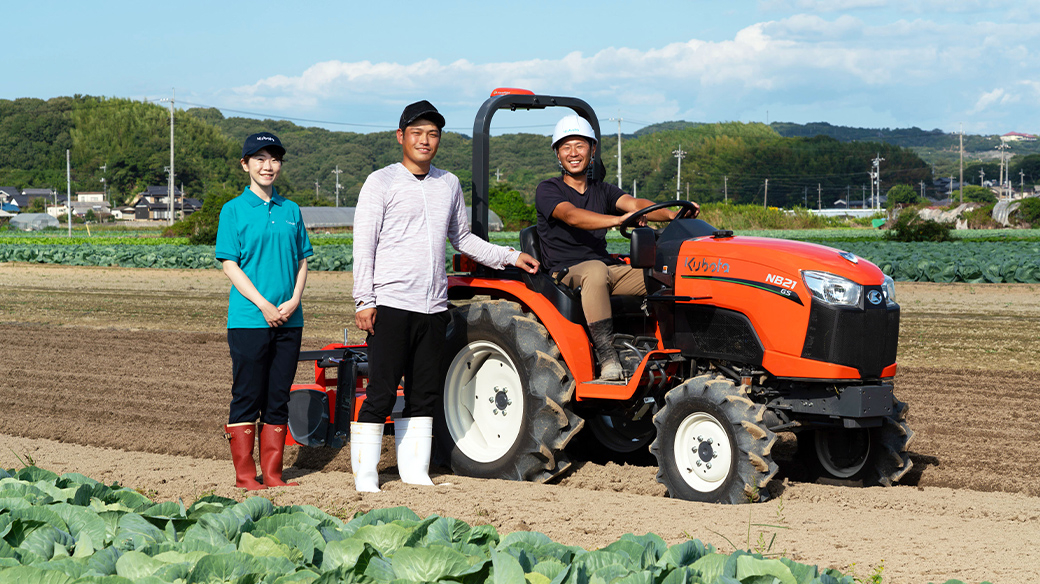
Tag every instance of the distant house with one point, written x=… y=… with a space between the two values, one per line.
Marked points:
x=1018 y=137
x=90 y=197
x=27 y=196
x=7 y=194
x=154 y=204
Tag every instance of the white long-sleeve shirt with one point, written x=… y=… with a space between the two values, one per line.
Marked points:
x=400 y=227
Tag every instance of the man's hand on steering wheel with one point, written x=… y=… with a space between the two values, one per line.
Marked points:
x=688 y=210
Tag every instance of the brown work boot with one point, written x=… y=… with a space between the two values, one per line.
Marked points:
x=603 y=340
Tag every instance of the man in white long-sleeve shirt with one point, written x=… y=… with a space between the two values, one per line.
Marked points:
x=405 y=212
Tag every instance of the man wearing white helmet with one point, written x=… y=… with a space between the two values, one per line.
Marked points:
x=574 y=214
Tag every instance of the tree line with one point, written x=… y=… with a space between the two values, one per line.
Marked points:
x=723 y=161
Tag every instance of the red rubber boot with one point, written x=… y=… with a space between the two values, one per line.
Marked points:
x=272 y=446
x=241 y=438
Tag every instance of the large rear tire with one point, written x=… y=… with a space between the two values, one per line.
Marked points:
x=860 y=456
x=712 y=444
x=507 y=396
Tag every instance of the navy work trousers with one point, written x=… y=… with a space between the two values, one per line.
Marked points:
x=407 y=344
x=263 y=364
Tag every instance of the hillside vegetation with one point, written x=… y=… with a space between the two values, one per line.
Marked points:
x=729 y=161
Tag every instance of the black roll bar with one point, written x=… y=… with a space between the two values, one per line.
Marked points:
x=482 y=144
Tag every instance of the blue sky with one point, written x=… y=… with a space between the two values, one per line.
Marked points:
x=354 y=65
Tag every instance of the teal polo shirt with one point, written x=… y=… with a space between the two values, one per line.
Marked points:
x=267 y=240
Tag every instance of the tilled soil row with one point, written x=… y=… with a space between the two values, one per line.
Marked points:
x=166 y=392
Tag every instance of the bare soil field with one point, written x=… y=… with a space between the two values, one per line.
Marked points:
x=123 y=375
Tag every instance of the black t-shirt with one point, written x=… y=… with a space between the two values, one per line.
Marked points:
x=562 y=245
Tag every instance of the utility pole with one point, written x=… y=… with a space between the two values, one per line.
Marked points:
x=635 y=189
x=960 y=186
x=877 y=178
x=805 y=197
x=982 y=177
x=618 y=120
x=819 y=197
x=922 y=189
x=679 y=155
x=725 y=189
x=104 y=184
x=765 y=199
x=317 y=191
x=498 y=175
x=68 y=189
x=1022 y=181
x=951 y=190
x=863 y=189
x=1000 y=189
x=171 y=187
x=337 y=173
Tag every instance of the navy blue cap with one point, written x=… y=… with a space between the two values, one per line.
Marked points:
x=421 y=110
x=261 y=140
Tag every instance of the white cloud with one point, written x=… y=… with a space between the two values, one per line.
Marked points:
x=997 y=97
x=804 y=62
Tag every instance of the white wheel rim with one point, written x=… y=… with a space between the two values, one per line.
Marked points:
x=703 y=452
x=483 y=401
x=823 y=453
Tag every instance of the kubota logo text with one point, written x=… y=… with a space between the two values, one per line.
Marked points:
x=704 y=265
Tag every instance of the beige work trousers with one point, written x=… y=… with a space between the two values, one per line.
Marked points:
x=599 y=281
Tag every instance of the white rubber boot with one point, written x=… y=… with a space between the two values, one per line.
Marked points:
x=366 y=442
x=413 y=438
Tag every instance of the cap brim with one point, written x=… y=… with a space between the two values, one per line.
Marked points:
x=431 y=115
x=272 y=148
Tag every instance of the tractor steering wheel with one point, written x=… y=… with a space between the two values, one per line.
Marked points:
x=688 y=211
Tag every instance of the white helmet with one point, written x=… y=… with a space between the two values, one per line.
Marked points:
x=572 y=125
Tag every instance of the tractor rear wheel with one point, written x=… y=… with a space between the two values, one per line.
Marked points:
x=860 y=456
x=712 y=444
x=506 y=396
x=615 y=438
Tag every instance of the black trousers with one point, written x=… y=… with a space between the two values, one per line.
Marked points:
x=407 y=344
x=263 y=365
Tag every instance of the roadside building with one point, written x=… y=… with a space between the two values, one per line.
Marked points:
x=7 y=195
x=154 y=204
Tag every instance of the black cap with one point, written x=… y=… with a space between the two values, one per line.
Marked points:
x=421 y=110
x=261 y=140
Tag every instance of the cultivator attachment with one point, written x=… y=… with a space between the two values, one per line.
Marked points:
x=320 y=413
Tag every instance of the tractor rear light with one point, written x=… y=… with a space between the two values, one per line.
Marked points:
x=832 y=289
x=462 y=263
x=889 y=289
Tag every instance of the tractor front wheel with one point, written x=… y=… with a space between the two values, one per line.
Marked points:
x=506 y=396
x=860 y=456
x=712 y=444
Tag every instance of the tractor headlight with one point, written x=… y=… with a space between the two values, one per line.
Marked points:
x=889 y=288
x=832 y=289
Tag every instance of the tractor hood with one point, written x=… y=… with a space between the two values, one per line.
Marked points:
x=693 y=246
x=782 y=254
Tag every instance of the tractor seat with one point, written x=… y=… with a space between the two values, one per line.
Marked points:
x=544 y=283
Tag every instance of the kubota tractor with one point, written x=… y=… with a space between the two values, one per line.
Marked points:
x=738 y=338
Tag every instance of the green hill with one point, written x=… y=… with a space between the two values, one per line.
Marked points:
x=730 y=161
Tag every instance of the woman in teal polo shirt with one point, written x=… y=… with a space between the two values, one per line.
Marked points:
x=263 y=247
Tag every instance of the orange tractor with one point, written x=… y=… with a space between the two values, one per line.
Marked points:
x=738 y=338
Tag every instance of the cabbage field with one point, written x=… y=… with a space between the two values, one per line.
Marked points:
x=73 y=529
x=1002 y=261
